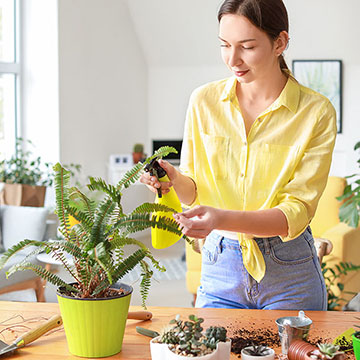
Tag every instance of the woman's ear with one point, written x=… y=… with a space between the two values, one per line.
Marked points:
x=281 y=43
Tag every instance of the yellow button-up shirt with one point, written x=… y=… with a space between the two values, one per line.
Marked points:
x=283 y=162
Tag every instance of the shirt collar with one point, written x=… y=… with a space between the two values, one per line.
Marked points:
x=289 y=96
x=229 y=90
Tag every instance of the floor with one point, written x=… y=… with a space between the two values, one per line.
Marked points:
x=167 y=289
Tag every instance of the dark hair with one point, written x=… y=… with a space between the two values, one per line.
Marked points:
x=268 y=15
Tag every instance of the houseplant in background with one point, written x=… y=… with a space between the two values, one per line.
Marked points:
x=186 y=339
x=350 y=209
x=94 y=308
x=138 y=153
x=25 y=177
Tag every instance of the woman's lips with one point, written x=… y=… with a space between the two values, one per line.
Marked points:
x=240 y=73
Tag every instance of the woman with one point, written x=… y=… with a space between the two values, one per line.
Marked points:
x=256 y=155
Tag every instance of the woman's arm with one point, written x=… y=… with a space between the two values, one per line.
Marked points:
x=201 y=220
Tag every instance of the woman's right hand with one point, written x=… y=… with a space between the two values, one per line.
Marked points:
x=153 y=183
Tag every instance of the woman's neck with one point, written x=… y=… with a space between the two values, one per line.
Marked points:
x=266 y=89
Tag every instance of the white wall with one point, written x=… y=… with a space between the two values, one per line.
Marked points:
x=322 y=29
x=103 y=83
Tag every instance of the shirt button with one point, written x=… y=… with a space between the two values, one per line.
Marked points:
x=242 y=174
x=259 y=119
x=245 y=143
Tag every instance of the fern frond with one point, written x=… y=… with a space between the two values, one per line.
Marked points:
x=97 y=234
x=102 y=185
x=18 y=247
x=43 y=273
x=103 y=257
x=121 y=241
x=89 y=205
x=160 y=153
x=62 y=179
x=151 y=207
x=81 y=216
x=122 y=269
x=131 y=176
x=145 y=284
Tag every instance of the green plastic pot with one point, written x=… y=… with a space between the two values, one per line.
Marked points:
x=356 y=344
x=95 y=327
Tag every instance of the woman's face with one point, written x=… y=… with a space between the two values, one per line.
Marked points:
x=246 y=50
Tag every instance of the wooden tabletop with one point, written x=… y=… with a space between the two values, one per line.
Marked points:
x=326 y=325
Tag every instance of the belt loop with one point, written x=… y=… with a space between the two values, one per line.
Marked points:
x=266 y=246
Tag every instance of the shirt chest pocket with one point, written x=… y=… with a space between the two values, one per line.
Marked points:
x=215 y=157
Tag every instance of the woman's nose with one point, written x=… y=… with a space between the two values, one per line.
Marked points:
x=234 y=58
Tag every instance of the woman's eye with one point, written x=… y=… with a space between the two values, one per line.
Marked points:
x=224 y=45
x=248 y=48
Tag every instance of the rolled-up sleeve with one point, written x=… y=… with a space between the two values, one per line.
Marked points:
x=298 y=199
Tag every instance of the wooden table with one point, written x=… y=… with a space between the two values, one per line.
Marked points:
x=53 y=346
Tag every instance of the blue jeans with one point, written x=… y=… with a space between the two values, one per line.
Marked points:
x=293 y=279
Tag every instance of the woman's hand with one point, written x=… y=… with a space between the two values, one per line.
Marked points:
x=153 y=183
x=199 y=221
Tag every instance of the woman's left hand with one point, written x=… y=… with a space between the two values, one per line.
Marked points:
x=198 y=222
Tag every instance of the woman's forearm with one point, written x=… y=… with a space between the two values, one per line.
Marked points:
x=185 y=188
x=269 y=222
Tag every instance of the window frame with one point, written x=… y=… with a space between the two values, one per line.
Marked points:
x=14 y=68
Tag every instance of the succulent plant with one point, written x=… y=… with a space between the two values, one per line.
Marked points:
x=187 y=337
x=257 y=350
x=327 y=351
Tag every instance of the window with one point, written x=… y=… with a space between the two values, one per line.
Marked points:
x=9 y=76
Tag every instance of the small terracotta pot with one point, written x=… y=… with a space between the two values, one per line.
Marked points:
x=299 y=349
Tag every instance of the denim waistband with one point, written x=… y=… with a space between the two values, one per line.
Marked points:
x=264 y=243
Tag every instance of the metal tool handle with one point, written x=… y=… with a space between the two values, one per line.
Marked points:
x=34 y=334
x=139 y=315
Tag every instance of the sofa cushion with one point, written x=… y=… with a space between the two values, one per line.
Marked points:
x=22 y=222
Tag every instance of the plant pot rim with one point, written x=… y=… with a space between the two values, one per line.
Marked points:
x=128 y=291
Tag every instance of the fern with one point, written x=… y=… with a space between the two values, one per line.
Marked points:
x=134 y=174
x=18 y=247
x=152 y=207
x=97 y=234
x=62 y=180
x=146 y=275
x=47 y=275
x=96 y=244
x=89 y=205
x=101 y=185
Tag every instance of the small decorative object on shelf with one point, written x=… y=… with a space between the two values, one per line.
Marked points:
x=138 y=153
x=255 y=351
x=186 y=339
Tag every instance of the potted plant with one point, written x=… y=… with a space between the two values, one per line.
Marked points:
x=255 y=351
x=138 y=153
x=350 y=209
x=94 y=307
x=301 y=350
x=25 y=178
x=186 y=339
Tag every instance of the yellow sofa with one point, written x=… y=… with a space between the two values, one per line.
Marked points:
x=326 y=225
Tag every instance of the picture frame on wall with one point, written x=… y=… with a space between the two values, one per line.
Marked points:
x=325 y=77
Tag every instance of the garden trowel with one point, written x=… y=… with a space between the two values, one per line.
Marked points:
x=31 y=335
